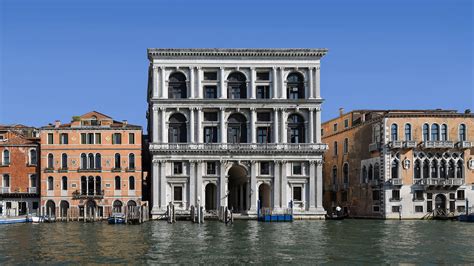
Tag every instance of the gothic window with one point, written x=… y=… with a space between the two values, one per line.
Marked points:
x=237 y=129
x=395 y=166
x=426 y=169
x=434 y=169
x=237 y=86
x=177 y=128
x=295 y=86
x=417 y=169
x=296 y=129
x=177 y=86
x=459 y=167
x=407 y=132
x=442 y=169
x=451 y=169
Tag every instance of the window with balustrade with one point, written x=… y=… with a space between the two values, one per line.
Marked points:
x=462 y=132
x=264 y=135
x=407 y=132
x=177 y=88
x=444 y=132
x=295 y=86
x=434 y=132
x=131 y=161
x=177 y=129
x=237 y=86
x=296 y=129
x=426 y=132
x=210 y=92
x=237 y=129
x=211 y=168
x=211 y=134
x=394 y=132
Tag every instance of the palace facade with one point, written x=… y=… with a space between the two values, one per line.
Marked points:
x=234 y=127
x=91 y=166
x=399 y=164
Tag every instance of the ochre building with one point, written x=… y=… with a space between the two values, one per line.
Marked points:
x=400 y=164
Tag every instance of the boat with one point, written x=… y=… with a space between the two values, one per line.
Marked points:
x=116 y=218
x=13 y=220
x=466 y=218
x=37 y=219
x=337 y=215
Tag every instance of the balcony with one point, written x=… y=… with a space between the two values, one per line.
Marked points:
x=32 y=190
x=48 y=170
x=239 y=147
x=464 y=144
x=396 y=181
x=440 y=182
x=374 y=146
x=4 y=190
x=89 y=170
x=438 y=144
x=63 y=170
x=410 y=144
x=397 y=144
x=130 y=169
x=116 y=170
x=80 y=195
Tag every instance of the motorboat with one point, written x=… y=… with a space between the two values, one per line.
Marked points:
x=116 y=218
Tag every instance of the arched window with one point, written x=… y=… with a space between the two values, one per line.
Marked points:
x=98 y=185
x=50 y=183
x=6 y=157
x=237 y=86
x=296 y=129
x=50 y=161
x=395 y=165
x=334 y=174
x=91 y=161
x=376 y=171
x=335 y=148
x=64 y=161
x=117 y=161
x=364 y=174
x=451 y=169
x=83 y=161
x=177 y=86
x=407 y=132
x=346 y=145
x=371 y=172
x=131 y=161
x=345 y=173
x=177 y=128
x=462 y=132
x=426 y=168
x=434 y=132
x=394 y=132
x=33 y=157
x=417 y=169
x=117 y=206
x=131 y=183
x=64 y=183
x=444 y=132
x=90 y=185
x=434 y=169
x=98 y=161
x=237 y=129
x=426 y=132
x=6 y=181
x=459 y=171
x=83 y=185
x=117 y=183
x=442 y=169
x=295 y=86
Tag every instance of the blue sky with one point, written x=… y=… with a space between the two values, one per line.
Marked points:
x=65 y=58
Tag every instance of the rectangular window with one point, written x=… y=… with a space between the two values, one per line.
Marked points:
x=395 y=194
x=263 y=76
x=375 y=195
x=297 y=168
x=131 y=138
x=117 y=138
x=395 y=208
x=50 y=138
x=63 y=138
x=452 y=196
x=346 y=123
x=210 y=134
x=418 y=208
x=35 y=205
x=177 y=193
x=419 y=195
x=263 y=135
x=264 y=168
x=452 y=206
x=90 y=138
x=33 y=181
x=83 y=138
x=210 y=116
x=460 y=195
x=211 y=168
x=335 y=127
x=235 y=93
x=264 y=117
x=297 y=195
x=98 y=139
x=177 y=168
x=346 y=146
x=429 y=196
x=429 y=206
x=210 y=92
x=210 y=75
x=263 y=92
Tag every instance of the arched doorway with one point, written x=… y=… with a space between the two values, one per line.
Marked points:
x=117 y=206
x=211 y=197
x=91 y=208
x=50 y=208
x=264 y=195
x=63 y=208
x=237 y=189
x=440 y=205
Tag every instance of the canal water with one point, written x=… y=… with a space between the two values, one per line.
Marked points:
x=302 y=242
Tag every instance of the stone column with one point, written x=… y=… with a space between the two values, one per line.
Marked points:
x=275 y=125
x=253 y=187
x=222 y=89
x=192 y=183
x=282 y=83
x=274 y=83
x=155 y=186
x=284 y=138
x=155 y=82
x=252 y=82
x=317 y=87
x=284 y=185
x=199 y=199
x=154 y=122
x=164 y=90
x=163 y=202
x=199 y=84
x=191 y=124
x=223 y=184
x=311 y=125
x=318 y=126
x=191 y=82
x=319 y=185
x=310 y=83
x=223 y=125
x=163 y=126
x=199 y=125
x=312 y=185
x=276 y=185
x=253 y=129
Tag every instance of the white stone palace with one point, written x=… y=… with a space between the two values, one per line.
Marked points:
x=232 y=127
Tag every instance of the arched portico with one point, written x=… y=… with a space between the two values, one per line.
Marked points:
x=237 y=188
x=210 y=197
x=265 y=195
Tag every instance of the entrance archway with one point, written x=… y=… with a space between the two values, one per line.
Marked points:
x=264 y=195
x=211 y=197
x=237 y=189
x=50 y=208
x=90 y=208
x=440 y=205
x=63 y=208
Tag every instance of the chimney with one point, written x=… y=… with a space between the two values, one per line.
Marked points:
x=125 y=122
x=341 y=111
x=57 y=123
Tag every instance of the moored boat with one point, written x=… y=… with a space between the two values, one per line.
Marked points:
x=13 y=220
x=116 y=218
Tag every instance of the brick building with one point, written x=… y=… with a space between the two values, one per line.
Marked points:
x=19 y=168
x=399 y=163
x=91 y=166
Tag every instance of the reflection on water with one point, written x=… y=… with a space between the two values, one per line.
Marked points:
x=359 y=241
